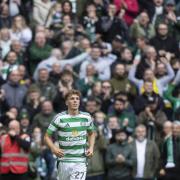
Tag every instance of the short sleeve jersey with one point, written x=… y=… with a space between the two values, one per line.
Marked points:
x=72 y=134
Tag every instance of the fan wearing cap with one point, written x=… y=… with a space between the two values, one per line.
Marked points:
x=119 y=157
x=24 y=122
x=153 y=118
x=171 y=17
x=117 y=45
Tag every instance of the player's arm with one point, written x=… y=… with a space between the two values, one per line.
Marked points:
x=53 y=127
x=55 y=150
x=91 y=140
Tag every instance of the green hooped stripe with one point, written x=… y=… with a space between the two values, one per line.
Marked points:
x=75 y=147
x=71 y=129
x=74 y=155
x=68 y=139
x=55 y=125
x=69 y=120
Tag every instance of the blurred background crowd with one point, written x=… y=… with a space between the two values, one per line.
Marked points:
x=123 y=55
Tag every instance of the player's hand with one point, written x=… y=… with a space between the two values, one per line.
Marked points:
x=89 y=152
x=58 y=152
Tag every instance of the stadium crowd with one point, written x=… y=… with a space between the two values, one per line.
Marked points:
x=123 y=55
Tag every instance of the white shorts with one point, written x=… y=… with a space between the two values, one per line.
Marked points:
x=72 y=171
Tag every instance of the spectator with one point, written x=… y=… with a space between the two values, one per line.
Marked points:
x=5 y=42
x=169 y=17
x=90 y=22
x=40 y=11
x=21 y=31
x=144 y=98
x=158 y=84
x=101 y=123
x=170 y=152
x=153 y=118
x=117 y=46
x=33 y=102
x=69 y=51
x=142 y=27
x=126 y=58
x=101 y=64
x=3 y=105
x=54 y=18
x=160 y=70
x=11 y=114
x=48 y=90
x=24 y=78
x=163 y=41
x=147 y=60
x=14 y=92
x=18 y=48
x=120 y=82
x=18 y=167
x=5 y=19
x=141 y=43
x=113 y=125
x=158 y=10
x=11 y=63
x=56 y=57
x=96 y=90
x=126 y=119
x=106 y=95
x=65 y=84
x=44 y=117
x=68 y=8
x=119 y=157
x=55 y=73
x=146 y=155
x=38 y=51
x=36 y=157
x=85 y=85
x=96 y=168
x=92 y=105
x=130 y=9
x=110 y=26
x=173 y=95
x=24 y=122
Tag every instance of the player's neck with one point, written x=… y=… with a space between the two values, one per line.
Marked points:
x=73 y=112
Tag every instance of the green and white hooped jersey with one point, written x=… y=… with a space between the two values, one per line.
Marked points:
x=72 y=134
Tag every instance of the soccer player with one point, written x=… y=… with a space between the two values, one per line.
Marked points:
x=74 y=129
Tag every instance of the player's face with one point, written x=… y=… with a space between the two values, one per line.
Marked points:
x=73 y=102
